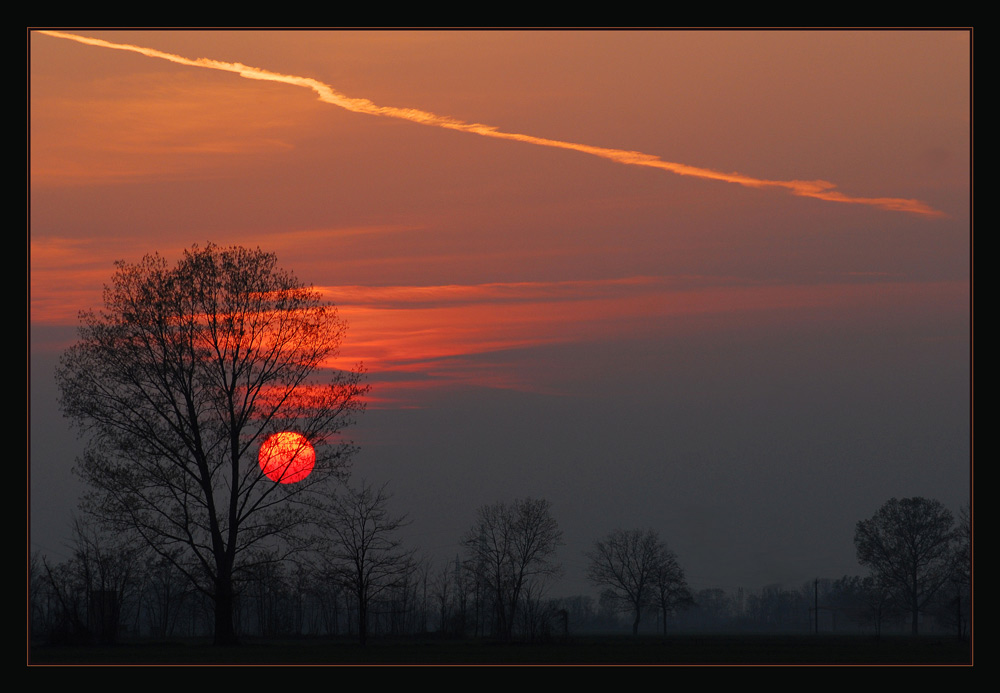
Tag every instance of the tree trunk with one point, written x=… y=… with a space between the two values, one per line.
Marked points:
x=958 y=612
x=635 y=623
x=362 y=618
x=225 y=634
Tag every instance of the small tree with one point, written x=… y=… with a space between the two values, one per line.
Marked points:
x=165 y=591
x=510 y=548
x=670 y=588
x=638 y=570
x=907 y=545
x=98 y=586
x=958 y=610
x=178 y=381
x=365 y=554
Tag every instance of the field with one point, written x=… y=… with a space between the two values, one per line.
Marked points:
x=610 y=650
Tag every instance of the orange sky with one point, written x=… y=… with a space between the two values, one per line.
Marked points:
x=528 y=260
x=162 y=125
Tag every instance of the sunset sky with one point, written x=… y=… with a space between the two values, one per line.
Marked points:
x=713 y=283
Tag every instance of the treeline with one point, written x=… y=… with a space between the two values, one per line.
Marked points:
x=135 y=594
x=357 y=581
x=362 y=582
x=851 y=604
x=112 y=588
x=111 y=591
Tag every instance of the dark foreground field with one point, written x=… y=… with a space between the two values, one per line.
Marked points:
x=611 y=650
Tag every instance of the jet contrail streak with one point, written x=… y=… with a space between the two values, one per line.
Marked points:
x=820 y=189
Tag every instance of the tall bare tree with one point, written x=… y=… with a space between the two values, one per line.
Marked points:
x=366 y=554
x=510 y=547
x=907 y=544
x=178 y=380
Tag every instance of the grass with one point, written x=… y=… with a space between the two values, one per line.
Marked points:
x=608 y=650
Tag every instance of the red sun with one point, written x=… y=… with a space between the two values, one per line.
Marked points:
x=286 y=457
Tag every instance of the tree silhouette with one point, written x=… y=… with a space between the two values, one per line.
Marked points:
x=97 y=586
x=961 y=573
x=176 y=383
x=670 y=588
x=509 y=549
x=366 y=555
x=638 y=570
x=907 y=545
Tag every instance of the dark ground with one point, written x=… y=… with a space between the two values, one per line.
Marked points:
x=609 y=650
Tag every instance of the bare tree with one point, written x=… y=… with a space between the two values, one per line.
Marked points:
x=442 y=593
x=670 y=588
x=510 y=547
x=165 y=591
x=365 y=554
x=961 y=574
x=178 y=381
x=98 y=586
x=907 y=545
x=625 y=563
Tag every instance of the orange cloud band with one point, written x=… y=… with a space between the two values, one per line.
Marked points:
x=416 y=337
x=819 y=189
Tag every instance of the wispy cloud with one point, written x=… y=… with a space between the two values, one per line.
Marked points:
x=819 y=189
x=417 y=337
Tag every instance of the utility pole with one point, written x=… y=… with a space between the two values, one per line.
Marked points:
x=816 y=605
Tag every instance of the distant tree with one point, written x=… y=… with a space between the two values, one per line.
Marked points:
x=638 y=571
x=65 y=612
x=844 y=600
x=266 y=596
x=38 y=593
x=466 y=587
x=509 y=549
x=775 y=608
x=670 y=588
x=443 y=596
x=164 y=592
x=863 y=600
x=98 y=586
x=957 y=610
x=177 y=382
x=583 y=614
x=536 y=615
x=880 y=606
x=712 y=608
x=365 y=554
x=908 y=545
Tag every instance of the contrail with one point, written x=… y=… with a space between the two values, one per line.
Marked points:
x=820 y=189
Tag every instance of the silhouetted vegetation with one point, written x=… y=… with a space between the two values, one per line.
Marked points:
x=364 y=553
x=509 y=551
x=638 y=572
x=909 y=545
x=177 y=381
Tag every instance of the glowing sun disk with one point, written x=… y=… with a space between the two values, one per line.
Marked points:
x=286 y=457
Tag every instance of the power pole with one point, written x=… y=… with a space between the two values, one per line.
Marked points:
x=816 y=605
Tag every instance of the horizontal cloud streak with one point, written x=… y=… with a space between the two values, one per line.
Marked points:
x=819 y=189
x=427 y=336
